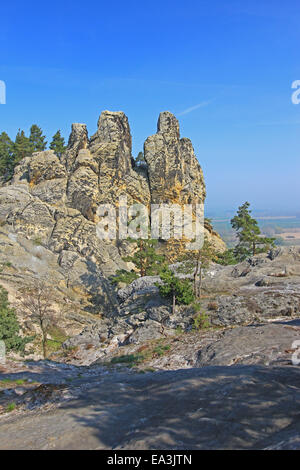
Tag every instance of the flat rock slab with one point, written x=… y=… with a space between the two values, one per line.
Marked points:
x=239 y=407
x=269 y=344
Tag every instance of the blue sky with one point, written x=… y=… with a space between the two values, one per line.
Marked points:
x=225 y=70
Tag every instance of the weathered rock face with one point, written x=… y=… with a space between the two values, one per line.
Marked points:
x=59 y=198
x=111 y=148
x=78 y=140
x=175 y=175
x=52 y=203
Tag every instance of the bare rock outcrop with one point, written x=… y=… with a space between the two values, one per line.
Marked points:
x=175 y=174
x=52 y=202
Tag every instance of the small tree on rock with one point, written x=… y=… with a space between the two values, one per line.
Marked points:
x=195 y=262
x=146 y=259
x=37 y=302
x=180 y=291
x=249 y=235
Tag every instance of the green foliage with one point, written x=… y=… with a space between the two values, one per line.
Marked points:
x=201 y=319
x=226 y=258
x=173 y=287
x=58 y=337
x=6 y=156
x=37 y=139
x=129 y=360
x=22 y=147
x=11 y=407
x=9 y=326
x=11 y=153
x=58 y=144
x=208 y=224
x=160 y=350
x=179 y=330
x=37 y=241
x=146 y=259
x=249 y=234
x=123 y=276
x=12 y=382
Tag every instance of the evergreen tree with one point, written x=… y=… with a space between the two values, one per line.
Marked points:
x=58 y=144
x=37 y=139
x=21 y=148
x=6 y=156
x=147 y=261
x=249 y=234
x=179 y=290
x=9 y=326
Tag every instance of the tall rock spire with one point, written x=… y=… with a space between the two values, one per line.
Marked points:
x=175 y=174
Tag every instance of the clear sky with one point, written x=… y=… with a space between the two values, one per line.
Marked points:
x=224 y=67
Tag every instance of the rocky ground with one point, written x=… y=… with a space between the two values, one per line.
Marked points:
x=264 y=288
x=144 y=378
x=231 y=388
x=129 y=373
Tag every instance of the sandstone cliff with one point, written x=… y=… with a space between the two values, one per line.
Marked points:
x=48 y=211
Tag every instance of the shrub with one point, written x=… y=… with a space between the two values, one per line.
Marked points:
x=130 y=360
x=11 y=407
x=161 y=350
x=201 y=319
x=226 y=258
x=37 y=241
x=179 y=290
x=124 y=276
x=9 y=326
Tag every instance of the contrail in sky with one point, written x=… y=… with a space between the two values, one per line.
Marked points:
x=193 y=108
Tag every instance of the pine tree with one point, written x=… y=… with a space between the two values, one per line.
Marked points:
x=6 y=156
x=180 y=291
x=249 y=234
x=21 y=147
x=58 y=144
x=146 y=259
x=37 y=139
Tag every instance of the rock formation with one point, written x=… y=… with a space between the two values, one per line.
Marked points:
x=56 y=200
x=175 y=174
x=48 y=212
